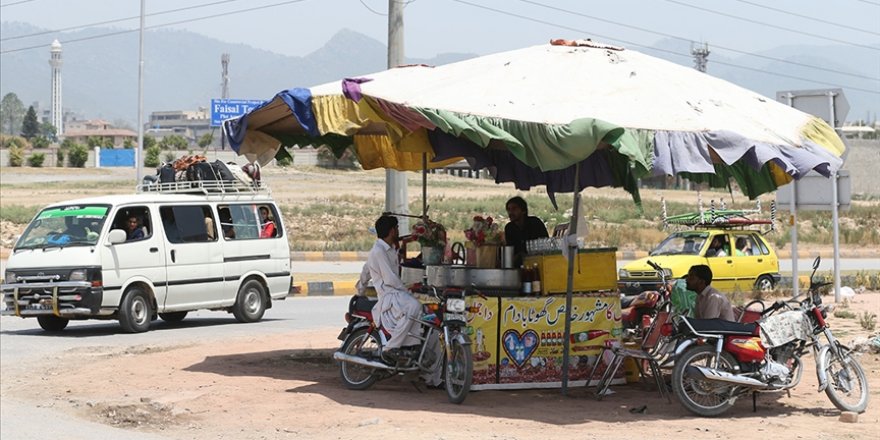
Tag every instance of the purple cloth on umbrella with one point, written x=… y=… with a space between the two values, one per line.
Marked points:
x=351 y=88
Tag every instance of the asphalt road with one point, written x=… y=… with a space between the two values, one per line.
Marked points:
x=23 y=343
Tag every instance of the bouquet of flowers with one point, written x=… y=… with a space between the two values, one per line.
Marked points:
x=429 y=233
x=484 y=231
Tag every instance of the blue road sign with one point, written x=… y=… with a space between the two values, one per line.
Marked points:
x=223 y=109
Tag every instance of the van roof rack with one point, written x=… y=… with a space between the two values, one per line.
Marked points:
x=206 y=187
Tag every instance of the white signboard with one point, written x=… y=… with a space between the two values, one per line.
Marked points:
x=814 y=192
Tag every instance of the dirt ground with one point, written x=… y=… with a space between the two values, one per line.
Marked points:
x=287 y=387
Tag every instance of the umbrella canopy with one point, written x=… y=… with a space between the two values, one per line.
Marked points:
x=534 y=113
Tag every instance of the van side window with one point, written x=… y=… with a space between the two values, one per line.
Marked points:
x=249 y=221
x=188 y=224
x=135 y=221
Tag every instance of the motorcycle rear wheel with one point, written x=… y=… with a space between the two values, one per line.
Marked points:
x=363 y=344
x=846 y=382
x=702 y=397
x=459 y=371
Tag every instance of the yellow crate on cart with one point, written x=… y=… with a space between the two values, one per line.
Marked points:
x=594 y=270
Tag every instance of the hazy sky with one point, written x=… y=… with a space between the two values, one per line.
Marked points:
x=436 y=26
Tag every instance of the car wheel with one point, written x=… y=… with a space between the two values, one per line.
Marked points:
x=764 y=283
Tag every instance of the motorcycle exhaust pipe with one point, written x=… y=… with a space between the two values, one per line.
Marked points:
x=723 y=376
x=342 y=357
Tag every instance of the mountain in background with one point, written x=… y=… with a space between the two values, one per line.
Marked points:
x=182 y=69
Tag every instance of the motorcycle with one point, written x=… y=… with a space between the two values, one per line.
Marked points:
x=718 y=361
x=634 y=308
x=361 y=363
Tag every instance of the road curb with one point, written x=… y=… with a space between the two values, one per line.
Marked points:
x=325 y=288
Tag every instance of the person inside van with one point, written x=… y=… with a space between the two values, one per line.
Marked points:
x=133 y=229
x=267 y=226
x=226 y=223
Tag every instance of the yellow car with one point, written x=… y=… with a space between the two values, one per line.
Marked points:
x=741 y=260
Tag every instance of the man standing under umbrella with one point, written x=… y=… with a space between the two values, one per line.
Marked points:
x=521 y=227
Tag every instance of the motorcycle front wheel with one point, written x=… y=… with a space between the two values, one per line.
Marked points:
x=459 y=368
x=701 y=396
x=847 y=386
x=363 y=344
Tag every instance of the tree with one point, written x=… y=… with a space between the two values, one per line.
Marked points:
x=31 y=126
x=40 y=142
x=149 y=141
x=173 y=142
x=11 y=113
x=206 y=140
x=97 y=141
x=151 y=158
x=49 y=131
x=128 y=143
x=78 y=155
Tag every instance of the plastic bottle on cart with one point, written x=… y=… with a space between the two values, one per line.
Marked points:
x=588 y=335
x=536 y=280
x=526 y=280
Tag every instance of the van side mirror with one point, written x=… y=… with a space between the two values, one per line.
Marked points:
x=116 y=236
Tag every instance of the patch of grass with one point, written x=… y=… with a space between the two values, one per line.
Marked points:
x=868 y=320
x=18 y=214
x=844 y=314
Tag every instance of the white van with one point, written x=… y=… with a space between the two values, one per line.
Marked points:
x=165 y=251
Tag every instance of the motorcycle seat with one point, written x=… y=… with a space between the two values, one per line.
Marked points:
x=361 y=304
x=720 y=326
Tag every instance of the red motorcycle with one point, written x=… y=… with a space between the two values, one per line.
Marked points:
x=718 y=361
x=637 y=311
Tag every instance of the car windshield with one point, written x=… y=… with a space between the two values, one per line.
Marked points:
x=61 y=226
x=681 y=243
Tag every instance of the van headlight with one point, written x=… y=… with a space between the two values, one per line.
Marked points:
x=623 y=273
x=78 y=275
x=10 y=277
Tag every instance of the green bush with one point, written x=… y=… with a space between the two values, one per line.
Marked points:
x=40 y=142
x=20 y=215
x=151 y=158
x=868 y=320
x=78 y=156
x=59 y=157
x=16 y=156
x=36 y=160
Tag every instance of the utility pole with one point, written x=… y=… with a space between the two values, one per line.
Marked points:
x=224 y=90
x=395 y=181
x=701 y=56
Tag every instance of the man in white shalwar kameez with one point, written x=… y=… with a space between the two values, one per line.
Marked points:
x=396 y=306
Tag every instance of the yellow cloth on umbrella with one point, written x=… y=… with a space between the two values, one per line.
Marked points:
x=818 y=131
x=376 y=151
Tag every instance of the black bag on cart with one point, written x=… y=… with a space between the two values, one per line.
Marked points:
x=222 y=171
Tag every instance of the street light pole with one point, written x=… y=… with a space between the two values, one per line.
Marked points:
x=139 y=157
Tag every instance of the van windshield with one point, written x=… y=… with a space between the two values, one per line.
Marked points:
x=61 y=226
x=681 y=243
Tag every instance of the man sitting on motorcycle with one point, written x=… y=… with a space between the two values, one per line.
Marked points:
x=711 y=303
x=397 y=309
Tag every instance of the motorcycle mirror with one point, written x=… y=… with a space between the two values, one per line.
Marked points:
x=816 y=262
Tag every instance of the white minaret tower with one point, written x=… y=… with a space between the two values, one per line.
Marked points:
x=56 y=113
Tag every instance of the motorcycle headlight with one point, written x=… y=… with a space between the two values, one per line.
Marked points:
x=10 y=277
x=78 y=275
x=455 y=305
x=623 y=273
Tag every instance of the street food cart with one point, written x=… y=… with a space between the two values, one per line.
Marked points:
x=518 y=338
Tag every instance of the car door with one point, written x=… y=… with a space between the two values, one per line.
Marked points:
x=141 y=258
x=194 y=257
x=247 y=250
x=748 y=265
x=723 y=268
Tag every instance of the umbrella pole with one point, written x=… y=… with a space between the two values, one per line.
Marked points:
x=424 y=185
x=571 y=242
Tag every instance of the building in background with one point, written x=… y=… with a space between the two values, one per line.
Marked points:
x=56 y=112
x=81 y=131
x=192 y=125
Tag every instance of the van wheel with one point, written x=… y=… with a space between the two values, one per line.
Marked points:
x=136 y=312
x=250 y=303
x=52 y=323
x=173 y=316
